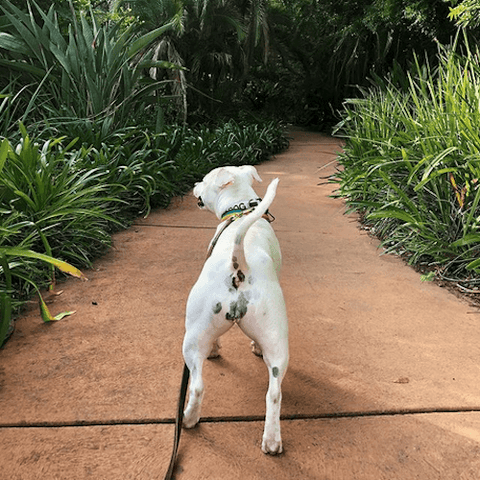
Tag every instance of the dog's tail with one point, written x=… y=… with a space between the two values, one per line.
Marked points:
x=238 y=255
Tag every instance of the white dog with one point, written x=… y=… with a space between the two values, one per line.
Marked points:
x=238 y=284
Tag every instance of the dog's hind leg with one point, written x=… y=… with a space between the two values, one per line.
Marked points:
x=273 y=342
x=200 y=342
x=194 y=357
x=271 y=339
x=277 y=366
x=215 y=351
x=256 y=349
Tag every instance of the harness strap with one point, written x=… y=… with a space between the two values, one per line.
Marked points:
x=217 y=236
x=230 y=218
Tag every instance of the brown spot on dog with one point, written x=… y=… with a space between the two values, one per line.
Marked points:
x=241 y=276
x=238 y=309
x=238 y=279
x=235 y=262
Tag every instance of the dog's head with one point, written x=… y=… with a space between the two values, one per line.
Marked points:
x=211 y=191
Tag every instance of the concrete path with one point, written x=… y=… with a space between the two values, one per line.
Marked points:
x=383 y=380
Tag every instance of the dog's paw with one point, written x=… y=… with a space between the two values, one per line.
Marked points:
x=215 y=352
x=190 y=421
x=256 y=349
x=272 y=446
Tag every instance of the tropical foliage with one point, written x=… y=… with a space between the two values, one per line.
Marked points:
x=108 y=109
x=81 y=83
x=32 y=208
x=466 y=13
x=295 y=60
x=216 y=42
x=323 y=50
x=411 y=165
x=66 y=202
x=89 y=139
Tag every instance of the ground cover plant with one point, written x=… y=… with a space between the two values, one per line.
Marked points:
x=26 y=223
x=65 y=200
x=411 y=165
x=82 y=81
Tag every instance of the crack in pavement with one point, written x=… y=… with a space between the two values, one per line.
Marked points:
x=245 y=418
x=172 y=226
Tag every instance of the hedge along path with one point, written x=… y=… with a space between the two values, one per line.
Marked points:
x=382 y=380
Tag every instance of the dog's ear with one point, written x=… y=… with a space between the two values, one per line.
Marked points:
x=198 y=189
x=223 y=178
x=252 y=171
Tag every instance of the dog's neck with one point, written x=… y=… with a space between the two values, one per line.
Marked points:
x=240 y=208
x=229 y=200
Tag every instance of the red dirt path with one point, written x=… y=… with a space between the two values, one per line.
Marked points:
x=86 y=397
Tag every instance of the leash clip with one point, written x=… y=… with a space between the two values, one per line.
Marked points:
x=269 y=217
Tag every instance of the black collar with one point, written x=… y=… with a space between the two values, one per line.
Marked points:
x=241 y=207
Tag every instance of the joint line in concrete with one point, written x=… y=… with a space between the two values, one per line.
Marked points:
x=244 y=418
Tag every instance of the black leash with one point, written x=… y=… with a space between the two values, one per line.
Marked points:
x=183 y=387
x=178 y=421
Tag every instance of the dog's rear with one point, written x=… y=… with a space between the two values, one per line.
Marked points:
x=239 y=285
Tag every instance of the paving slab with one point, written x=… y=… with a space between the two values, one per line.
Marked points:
x=383 y=377
x=399 y=447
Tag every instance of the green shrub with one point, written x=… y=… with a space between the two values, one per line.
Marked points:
x=412 y=165
x=66 y=202
x=32 y=206
x=48 y=208
x=65 y=210
x=84 y=83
